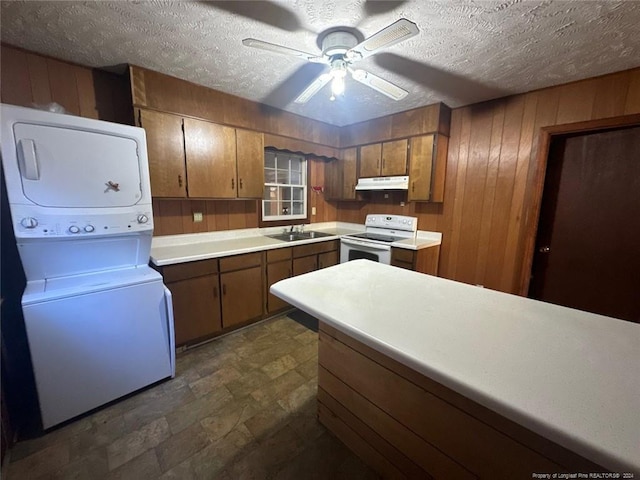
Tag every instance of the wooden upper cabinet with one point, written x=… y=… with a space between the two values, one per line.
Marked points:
x=250 y=158
x=427 y=167
x=165 y=150
x=394 y=158
x=370 y=160
x=384 y=159
x=341 y=175
x=349 y=158
x=420 y=168
x=211 y=159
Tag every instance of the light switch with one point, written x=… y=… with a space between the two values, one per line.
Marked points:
x=313 y=210
x=197 y=216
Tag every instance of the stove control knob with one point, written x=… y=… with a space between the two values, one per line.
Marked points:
x=143 y=219
x=29 y=222
x=89 y=228
x=74 y=229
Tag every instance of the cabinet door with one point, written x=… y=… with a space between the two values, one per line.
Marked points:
x=196 y=308
x=250 y=156
x=276 y=272
x=333 y=179
x=241 y=296
x=370 y=157
x=211 y=159
x=165 y=149
x=349 y=173
x=328 y=259
x=420 y=168
x=394 y=157
x=305 y=264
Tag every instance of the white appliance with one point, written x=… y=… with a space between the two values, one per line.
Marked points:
x=99 y=320
x=383 y=183
x=375 y=243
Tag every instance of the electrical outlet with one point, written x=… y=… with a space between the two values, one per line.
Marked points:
x=402 y=204
x=197 y=216
x=313 y=210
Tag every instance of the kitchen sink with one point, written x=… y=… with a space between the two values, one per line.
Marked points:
x=293 y=236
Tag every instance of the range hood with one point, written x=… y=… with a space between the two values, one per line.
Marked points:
x=383 y=183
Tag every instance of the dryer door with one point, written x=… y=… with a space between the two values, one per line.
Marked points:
x=62 y=167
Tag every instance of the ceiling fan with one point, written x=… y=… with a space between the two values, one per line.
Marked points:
x=340 y=51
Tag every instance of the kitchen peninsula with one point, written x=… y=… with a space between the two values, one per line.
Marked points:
x=425 y=376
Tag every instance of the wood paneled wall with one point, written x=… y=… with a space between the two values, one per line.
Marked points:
x=491 y=172
x=28 y=78
x=174 y=216
x=169 y=94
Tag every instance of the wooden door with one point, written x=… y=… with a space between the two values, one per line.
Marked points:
x=165 y=149
x=589 y=230
x=394 y=158
x=275 y=272
x=305 y=264
x=420 y=168
x=196 y=308
x=211 y=159
x=250 y=158
x=370 y=158
x=241 y=296
x=349 y=178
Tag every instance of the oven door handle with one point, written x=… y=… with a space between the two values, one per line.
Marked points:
x=369 y=245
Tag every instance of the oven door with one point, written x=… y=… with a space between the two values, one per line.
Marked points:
x=351 y=249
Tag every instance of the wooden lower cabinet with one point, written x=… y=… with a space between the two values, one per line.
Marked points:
x=241 y=283
x=279 y=267
x=211 y=297
x=310 y=257
x=406 y=425
x=424 y=260
x=195 y=290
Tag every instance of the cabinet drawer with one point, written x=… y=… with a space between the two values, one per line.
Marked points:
x=182 y=271
x=314 y=248
x=402 y=255
x=238 y=262
x=278 y=255
x=328 y=259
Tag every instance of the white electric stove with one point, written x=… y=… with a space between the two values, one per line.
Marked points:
x=375 y=243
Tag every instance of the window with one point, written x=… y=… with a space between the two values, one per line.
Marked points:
x=285 y=186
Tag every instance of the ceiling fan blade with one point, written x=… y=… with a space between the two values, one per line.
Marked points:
x=267 y=12
x=272 y=47
x=379 y=84
x=397 y=32
x=314 y=88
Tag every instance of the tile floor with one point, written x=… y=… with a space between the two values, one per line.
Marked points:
x=242 y=406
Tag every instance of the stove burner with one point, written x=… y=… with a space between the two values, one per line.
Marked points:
x=377 y=237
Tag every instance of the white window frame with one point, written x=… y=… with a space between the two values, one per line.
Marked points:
x=302 y=185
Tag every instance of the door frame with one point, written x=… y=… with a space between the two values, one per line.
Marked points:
x=545 y=136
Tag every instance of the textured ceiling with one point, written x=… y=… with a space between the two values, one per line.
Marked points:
x=467 y=51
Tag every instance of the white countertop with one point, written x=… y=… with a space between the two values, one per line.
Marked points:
x=568 y=375
x=171 y=249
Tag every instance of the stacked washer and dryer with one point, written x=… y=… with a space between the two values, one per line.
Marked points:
x=99 y=320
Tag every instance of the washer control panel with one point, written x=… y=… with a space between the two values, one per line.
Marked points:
x=30 y=224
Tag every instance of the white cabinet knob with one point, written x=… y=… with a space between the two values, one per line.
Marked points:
x=143 y=219
x=74 y=229
x=89 y=228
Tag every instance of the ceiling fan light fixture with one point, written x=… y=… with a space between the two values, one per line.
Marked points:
x=337 y=85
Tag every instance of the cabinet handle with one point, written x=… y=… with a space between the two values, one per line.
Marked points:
x=233 y=184
x=353 y=187
x=241 y=187
x=179 y=180
x=224 y=289
x=413 y=186
x=383 y=162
